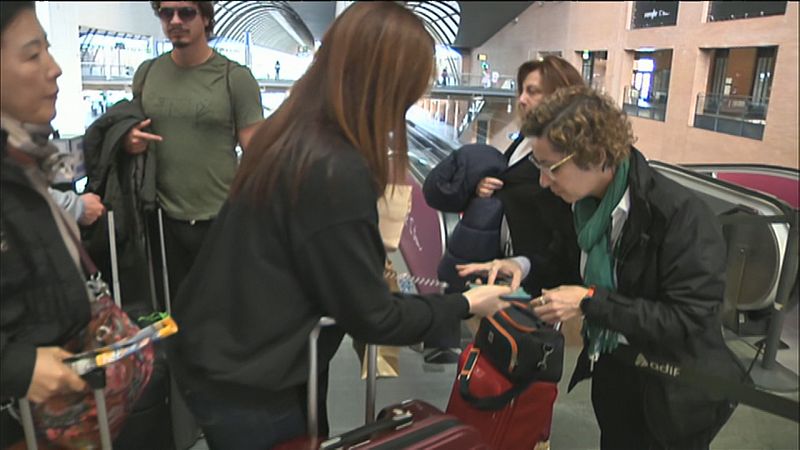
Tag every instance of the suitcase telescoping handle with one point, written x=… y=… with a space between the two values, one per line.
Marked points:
x=96 y=379
x=313 y=375
x=362 y=434
x=112 y=246
x=164 y=271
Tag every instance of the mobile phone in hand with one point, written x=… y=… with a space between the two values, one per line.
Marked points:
x=519 y=295
x=497 y=282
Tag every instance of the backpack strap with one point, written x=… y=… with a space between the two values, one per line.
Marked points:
x=230 y=98
x=138 y=92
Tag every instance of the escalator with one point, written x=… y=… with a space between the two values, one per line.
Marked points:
x=761 y=233
x=425 y=234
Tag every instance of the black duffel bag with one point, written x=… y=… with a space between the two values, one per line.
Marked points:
x=521 y=346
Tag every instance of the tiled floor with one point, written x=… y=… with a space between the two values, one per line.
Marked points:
x=574 y=426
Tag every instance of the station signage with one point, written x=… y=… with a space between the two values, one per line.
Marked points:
x=654 y=14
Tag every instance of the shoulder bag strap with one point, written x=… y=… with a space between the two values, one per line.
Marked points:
x=491 y=403
x=86 y=260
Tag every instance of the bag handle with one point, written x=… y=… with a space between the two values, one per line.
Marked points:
x=491 y=403
x=525 y=309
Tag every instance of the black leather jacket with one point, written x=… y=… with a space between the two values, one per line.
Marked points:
x=671 y=281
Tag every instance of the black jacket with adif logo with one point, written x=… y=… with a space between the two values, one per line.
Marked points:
x=671 y=280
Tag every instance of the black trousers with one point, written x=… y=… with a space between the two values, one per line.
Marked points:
x=617 y=398
x=182 y=241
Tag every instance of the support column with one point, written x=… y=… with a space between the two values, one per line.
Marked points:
x=65 y=48
x=248 y=53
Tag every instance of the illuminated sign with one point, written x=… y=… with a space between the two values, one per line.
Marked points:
x=643 y=65
x=654 y=14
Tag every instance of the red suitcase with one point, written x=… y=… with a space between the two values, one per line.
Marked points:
x=524 y=423
x=412 y=424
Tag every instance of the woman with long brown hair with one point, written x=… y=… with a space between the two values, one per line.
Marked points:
x=298 y=238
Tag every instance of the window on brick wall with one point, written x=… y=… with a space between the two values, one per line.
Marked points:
x=737 y=92
x=647 y=94
x=593 y=68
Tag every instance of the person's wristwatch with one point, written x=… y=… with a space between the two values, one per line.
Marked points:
x=586 y=299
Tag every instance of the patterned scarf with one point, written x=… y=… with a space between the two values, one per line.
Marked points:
x=34 y=140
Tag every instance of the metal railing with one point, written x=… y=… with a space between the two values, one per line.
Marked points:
x=507 y=82
x=732 y=106
x=99 y=71
x=738 y=115
x=654 y=107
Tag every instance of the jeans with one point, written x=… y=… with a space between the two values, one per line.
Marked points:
x=228 y=425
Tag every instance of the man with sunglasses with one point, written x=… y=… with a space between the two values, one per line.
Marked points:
x=198 y=106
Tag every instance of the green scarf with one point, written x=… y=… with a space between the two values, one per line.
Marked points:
x=593 y=226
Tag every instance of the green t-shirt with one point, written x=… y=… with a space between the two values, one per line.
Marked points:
x=191 y=109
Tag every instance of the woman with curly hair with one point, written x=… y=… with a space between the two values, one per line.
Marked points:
x=652 y=264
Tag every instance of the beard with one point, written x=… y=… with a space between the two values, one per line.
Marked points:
x=179 y=36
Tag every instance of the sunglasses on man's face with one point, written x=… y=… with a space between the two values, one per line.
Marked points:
x=186 y=13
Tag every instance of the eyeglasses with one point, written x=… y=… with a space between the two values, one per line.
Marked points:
x=550 y=171
x=186 y=14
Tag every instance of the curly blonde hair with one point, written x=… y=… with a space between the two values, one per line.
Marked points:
x=579 y=120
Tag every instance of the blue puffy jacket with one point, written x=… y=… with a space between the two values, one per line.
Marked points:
x=451 y=187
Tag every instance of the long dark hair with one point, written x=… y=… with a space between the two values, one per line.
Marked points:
x=375 y=61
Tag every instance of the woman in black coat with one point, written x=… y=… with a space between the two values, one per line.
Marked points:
x=652 y=264
x=298 y=238
x=43 y=298
x=505 y=211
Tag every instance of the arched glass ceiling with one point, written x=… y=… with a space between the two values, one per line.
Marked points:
x=441 y=18
x=272 y=24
